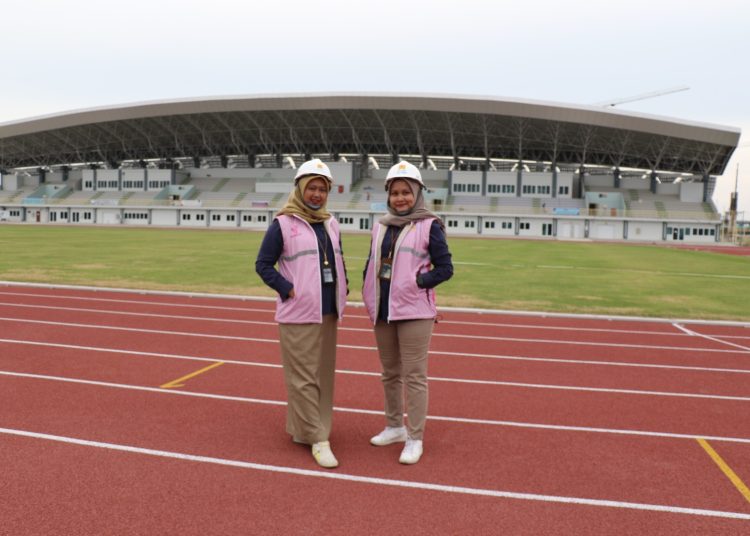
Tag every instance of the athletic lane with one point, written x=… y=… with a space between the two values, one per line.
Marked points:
x=87 y=490
x=560 y=463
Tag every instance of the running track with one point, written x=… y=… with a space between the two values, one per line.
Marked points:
x=140 y=414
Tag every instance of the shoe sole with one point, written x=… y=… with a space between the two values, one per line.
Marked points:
x=384 y=443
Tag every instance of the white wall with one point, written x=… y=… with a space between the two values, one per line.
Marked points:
x=471 y=179
x=12 y=182
x=255 y=219
x=498 y=228
x=500 y=178
x=605 y=230
x=600 y=181
x=273 y=187
x=570 y=229
x=691 y=192
x=565 y=179
x=108 y=216
x=634 y=183
x=107 y=180
x=461 y=225
x=163 y=217
x=223 y=218
x=668 y=188
x=644 y=230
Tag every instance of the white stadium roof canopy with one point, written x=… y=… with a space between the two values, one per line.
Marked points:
x=369 y=123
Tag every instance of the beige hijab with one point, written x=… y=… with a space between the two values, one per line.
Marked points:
x=295 y=204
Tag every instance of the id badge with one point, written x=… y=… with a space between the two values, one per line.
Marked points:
x=385 y=270
x=327 y=274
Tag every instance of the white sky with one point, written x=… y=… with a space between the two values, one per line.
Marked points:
x=59 y=56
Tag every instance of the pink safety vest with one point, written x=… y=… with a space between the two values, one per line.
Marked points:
x=300 y=265
x=406 y=300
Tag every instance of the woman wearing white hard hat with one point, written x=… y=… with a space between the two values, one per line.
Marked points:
x=409 y=257
x=311 y=283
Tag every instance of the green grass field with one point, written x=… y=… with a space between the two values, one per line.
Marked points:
x=580 y=277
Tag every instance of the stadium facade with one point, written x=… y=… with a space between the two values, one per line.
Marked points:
x=495 y=167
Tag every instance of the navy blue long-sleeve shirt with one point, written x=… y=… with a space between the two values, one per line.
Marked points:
x=440 y=256
x=268 y=256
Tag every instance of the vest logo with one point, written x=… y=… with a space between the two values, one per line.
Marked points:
x=295 y=230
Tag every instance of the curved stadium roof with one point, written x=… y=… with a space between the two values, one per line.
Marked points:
x=372 y=123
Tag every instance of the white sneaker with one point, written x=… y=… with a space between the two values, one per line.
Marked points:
x=389 y=435
x=412 y=451
x=323 y=455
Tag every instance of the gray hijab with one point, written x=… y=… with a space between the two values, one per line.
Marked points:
x=416 y=213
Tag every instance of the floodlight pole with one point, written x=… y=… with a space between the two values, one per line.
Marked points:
x=733 y=207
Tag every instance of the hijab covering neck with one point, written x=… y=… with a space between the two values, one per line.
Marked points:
x=295 y=203
x=416 y=213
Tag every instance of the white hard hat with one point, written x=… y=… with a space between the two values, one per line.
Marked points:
x=313 y=167
x=403 y=170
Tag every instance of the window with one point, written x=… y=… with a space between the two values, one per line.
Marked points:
x=87 y=215
x=469 y=224
x=489 y=225
x=230 y=217
x=507 y=225
x=215 y=217
x=452 y=223
x=186 y=217
x=509 y=188
x=262 y=218
x=200 y=217
x=524 y=226
x=564 y=190
x=247 y=217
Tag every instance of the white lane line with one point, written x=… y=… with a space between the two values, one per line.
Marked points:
x=710 y=338
x=379 y=412
x=255 y=339
x=459 y=355
x=368 y=329
x=608 y=318
x=495 y=383
x=469 y=310
x=423 y=486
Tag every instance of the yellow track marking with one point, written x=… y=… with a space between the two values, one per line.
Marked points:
x=176 y=383
x=731 y=475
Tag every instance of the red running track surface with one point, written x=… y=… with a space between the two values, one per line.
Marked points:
x=538 y=425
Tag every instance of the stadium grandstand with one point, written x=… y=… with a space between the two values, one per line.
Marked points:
x=493 y=167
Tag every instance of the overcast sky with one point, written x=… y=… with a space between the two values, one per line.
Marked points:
x=59 y=56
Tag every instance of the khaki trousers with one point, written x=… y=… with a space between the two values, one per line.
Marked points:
x=308 y=354
x=403 y=349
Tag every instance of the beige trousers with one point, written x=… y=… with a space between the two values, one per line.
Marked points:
x=308 y=354
x=403 y=349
